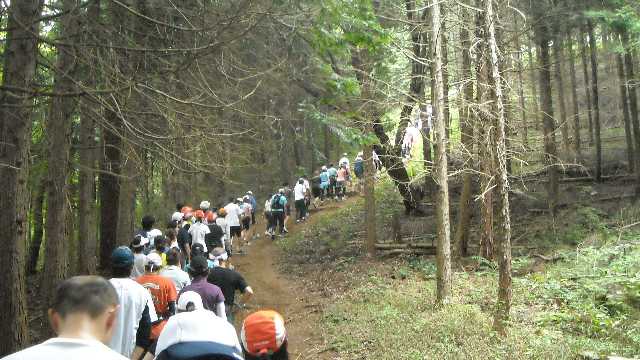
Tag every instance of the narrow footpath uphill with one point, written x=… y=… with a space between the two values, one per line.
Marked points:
x=278 y=291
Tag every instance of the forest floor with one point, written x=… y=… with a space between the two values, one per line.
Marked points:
x=576 y=286
x=274 y=289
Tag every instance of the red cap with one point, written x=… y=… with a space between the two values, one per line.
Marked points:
x=263 y=332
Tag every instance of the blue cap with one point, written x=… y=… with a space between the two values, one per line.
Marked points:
x=122 y=257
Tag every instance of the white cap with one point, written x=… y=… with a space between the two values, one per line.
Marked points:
x=190 y=297
x=250 y=192
x=215 y=335
x=177 y=216
x=154 y=259
x=205 y=205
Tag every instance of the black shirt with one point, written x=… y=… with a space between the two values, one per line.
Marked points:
x=228 y=281
x=184 y=237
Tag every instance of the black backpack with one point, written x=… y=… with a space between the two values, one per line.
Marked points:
x=275 y=202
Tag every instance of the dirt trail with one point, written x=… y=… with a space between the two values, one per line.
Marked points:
x=275 y=290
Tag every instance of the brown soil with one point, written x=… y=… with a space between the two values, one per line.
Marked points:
x=290 y=296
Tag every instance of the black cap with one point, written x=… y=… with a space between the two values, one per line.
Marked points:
x=199 y=265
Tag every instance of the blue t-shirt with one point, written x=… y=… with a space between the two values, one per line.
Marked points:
x=324 y=177
x=332 y=172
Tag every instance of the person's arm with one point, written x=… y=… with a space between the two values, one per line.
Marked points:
x=247 y=294
x=220 y=310
x=144 y=331
x=171 y=309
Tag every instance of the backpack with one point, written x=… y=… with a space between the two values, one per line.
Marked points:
x=275 y=202
x=358 y=168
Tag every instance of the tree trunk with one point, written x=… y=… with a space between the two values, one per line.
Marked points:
x=87 y=237
x=38 y=228
x=127 y=195
x=109 y=190
x=595 y=103
x=443 y=258
x=549 y=127
x=633 y=105
x=418 y=71
x=370 y=201
x=574 y=99
x=557 y=53
x=534 y=88
x=523 y=108
x=58 y=126
x=587 y=81
x=485 y=126
x=625 y=110
x=20 y=52
x=466 y=137
x=327 y=143
x=503 y=222
x=445 y=71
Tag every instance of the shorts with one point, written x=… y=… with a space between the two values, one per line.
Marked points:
x=235 y=231
x=246 y=223
x=287 y=210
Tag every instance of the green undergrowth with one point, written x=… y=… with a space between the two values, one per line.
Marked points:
x=581 y=298
x=337 y=234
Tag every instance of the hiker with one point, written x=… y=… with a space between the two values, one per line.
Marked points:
x=221 y=221
x=197 y=333
x=233 y=222
x=268 y=216
x=229 y=281
x=246 y=217
x=288 y=192
x=172 y=238
x=344 y=161
x=83 y=315
x=174 y=271
x=278 y=203
x=254 y=206
x=164 y=295
x=160 y=248
x=184 y=238
x=307 y=195
x=148 y=232
x=198 y=230
x=324 y=182
x=358 y=170
x=205 y=206
x=299 y=197
x=264 y=336
x=212 y=296
x=215 y=237
x=136 y=311
x=341 y=182
x=139 y=258
x=333 y=174
x=316 y=188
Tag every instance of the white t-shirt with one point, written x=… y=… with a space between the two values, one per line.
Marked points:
x=132 y=298
x=307 y=186
x=179 y=277
x=233 y=214
x=198 y=325
x=67 y=349
x=139 y=261
x=222 y=222
x=299 y=191
x=198 y=230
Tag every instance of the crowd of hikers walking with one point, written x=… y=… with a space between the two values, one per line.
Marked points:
x=172 y=294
